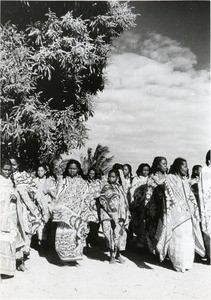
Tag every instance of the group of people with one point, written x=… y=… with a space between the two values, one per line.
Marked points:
x=162 y=209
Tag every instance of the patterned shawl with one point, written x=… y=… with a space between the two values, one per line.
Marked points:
x=181 y=206
x=114 y=203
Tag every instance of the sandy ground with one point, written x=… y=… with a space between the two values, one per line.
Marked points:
x=141 y=277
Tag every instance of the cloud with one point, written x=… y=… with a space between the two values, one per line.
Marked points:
x=153 y=104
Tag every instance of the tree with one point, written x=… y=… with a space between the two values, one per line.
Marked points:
x=51 y=69
x=99 y=160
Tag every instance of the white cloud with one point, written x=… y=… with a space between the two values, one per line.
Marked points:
x=153 y=105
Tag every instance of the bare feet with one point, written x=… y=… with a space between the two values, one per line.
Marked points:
x=112 y=261
x=22 y=268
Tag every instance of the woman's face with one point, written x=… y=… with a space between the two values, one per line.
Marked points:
x=112 y=178
x=41 y=172
x=183 y=170
x=73 y=170
x=162 y=167
x=197 y=171
x=91 y=174
x=15 y=165
x=145 y=171
x=6 y=171
x=126 y=170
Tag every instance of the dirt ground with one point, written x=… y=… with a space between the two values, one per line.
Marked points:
x=141 y=277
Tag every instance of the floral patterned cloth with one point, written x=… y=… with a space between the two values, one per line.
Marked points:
x=115 y=215
x=204 y=186
x=180 y=231
x=10 y=238
x=95 y=187
x=137 y=208
x=30 y=215
x=72 y=213
x=45 y=192
x=154 y=206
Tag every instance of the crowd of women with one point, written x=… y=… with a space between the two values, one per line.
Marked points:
x=162 y=209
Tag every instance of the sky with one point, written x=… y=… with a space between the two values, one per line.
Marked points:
x=157 y=98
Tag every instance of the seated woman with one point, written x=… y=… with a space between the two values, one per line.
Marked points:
x=10 y=239
x=71 y=213
x=137 y=205
x=114 y=216
x=155 y=202
x=181 y=234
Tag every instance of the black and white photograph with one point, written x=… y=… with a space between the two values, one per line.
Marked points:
x=105 y=174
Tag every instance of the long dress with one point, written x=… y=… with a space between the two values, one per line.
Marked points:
x=71 y=212
x=44 y=195
x=204 y=187
x=154 y=206
x=181 y=235
x=138 y=195
x=31 y=217
x=114 y=208
x=10 y=237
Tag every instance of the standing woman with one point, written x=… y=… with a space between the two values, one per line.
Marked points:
x=127 y=178
x=71 y=214
x=205 y=202
x=30 y=213
x=155 y=201
x=10 y=239
x=181 y=234
x=114 y=216
x=44 y=194
x=137 y=205
x=195 y=177
x=95 y=186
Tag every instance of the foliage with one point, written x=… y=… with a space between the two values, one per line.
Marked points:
x=50 y=71
x=99 y=160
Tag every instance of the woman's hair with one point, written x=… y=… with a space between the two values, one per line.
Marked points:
x=195 y=168
x=141 y=167
x=7 y=162
x=155 y=164
x=117 y=166
x=130 y=171
x=99 y=174
x=207 y=159
x=45 y=167
x=175 y=167
x=92 y=169
x=70 y=162
x=18 y=161
x=116 y=172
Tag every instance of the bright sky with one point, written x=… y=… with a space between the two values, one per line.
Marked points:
x=157 y=99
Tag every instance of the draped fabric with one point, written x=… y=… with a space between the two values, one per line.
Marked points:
x=10 y=237
x=30 y=215
x=71 y=212
x=95 y=187
x=45 y=192
x=180 y=231
x=204 y=187
x=115 y=215
x=137 y=208
x=154 y=206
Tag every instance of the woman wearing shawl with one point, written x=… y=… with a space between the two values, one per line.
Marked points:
x=181 y=234
x=204 y=186
x=31 y=218
x=71 y=212
x=45 y=192
x=10 y=239
x=155 y=202
x=95 y=185
x=114 y=215
x=195 y=177
x=137 y=205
